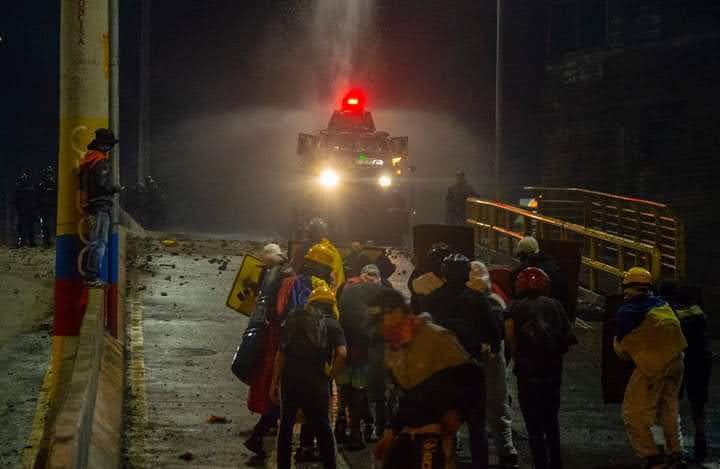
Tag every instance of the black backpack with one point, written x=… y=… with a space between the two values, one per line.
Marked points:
x=541 y=335
x=310 y=323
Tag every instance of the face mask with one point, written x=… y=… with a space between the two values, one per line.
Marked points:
x=401 y=333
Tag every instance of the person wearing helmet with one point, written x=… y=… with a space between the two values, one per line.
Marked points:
x=499 y=413
x=649 y=334
x=317 y=232
x=539 y=334
x=528 y=253
x=312 y=352
x=441 y=387
x=467 y=314
x=427 y=277
x=47 y=203
x=685 y=299
x=25 y=204
x=455 y=199
x=97 y=182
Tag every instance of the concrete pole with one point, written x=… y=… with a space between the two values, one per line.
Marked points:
x=498 y=100
x=84 y=74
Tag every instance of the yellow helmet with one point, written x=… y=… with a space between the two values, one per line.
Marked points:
x=321 y=254
x=637 y=277
x=321 y=294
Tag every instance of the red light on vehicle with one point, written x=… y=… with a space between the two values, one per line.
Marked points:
x=354 y=100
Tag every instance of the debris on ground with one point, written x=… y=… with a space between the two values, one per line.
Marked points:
x=217 y=419
x=169 y=243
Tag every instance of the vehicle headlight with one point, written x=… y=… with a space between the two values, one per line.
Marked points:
x=385 y=180
x=329 y=178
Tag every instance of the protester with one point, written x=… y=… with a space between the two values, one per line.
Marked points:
x=427 y=277
x=353 y=381
x=685 y=300
x=96 y=181
x=266 y=315
x=529 y=254
x=312 y=352
x=499 y=414
x=442 y=386
x=539 y=333
x=455 y=200
x=47 y=203
x=25 y=204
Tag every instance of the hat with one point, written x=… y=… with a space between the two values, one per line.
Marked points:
x=104 y=140
x=370 y=269
x=479 y=276
x=273 y=252
x=387 y=299
x=527 y=246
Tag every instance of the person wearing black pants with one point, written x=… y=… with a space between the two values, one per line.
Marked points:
x=315 y=410
x=540 y=405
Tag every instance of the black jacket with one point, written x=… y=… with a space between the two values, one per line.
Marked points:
x=97 y=181
x=468 y=315
x=455 y=388
x=558 y=285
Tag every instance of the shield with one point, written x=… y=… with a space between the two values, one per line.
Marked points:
x=460 y=239
x=245 y=288
x=615 y=371
x=567 y=255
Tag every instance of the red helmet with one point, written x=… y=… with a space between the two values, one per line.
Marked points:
x=532 y=280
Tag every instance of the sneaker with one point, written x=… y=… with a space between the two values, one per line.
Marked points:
x=307 y=454
x=355 y=442
x=255 y=444
x=341 y=432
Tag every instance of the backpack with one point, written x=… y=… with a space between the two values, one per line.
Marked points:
x=541 y=337
x=310 y=324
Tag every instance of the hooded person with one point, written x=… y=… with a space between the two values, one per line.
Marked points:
x=353 y=381
x=499 y=413
x=96 y=182
x=650 y=335
x=427 y=277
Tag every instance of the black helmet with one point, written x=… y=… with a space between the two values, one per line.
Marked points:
x=456 y=269
x=435 y=256
x=317 y=229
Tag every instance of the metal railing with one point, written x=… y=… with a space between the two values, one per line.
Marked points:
x=640 y=220
x=498 y=226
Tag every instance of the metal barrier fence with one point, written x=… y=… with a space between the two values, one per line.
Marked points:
x=643 y=221
x=498 y=226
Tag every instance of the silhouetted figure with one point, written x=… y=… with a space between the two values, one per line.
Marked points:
x=47 y=203
x=24 y=202
x=455 y=200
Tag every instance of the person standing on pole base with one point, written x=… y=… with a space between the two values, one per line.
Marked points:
x=539 y=334
x=649 y=333
x=96 y=181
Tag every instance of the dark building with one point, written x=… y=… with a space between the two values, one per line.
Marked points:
x=630 y=106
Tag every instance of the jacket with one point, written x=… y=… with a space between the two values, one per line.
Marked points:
x=467 y=313
x=649 y=333
x=96 y=180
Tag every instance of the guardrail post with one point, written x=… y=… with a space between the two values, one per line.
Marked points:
x=593 y=272
x=656 y=264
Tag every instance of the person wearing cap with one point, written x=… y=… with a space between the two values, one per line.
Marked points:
x=650 y=335
x=499 y=413
x=455 y=199
x=353 y=381
x=441 y=386
x=96 y=181
x=528 y=253
x=266 y=315
x=312 y=352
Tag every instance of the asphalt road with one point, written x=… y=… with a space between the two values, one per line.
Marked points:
x=181 y=342
x=26 y=280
